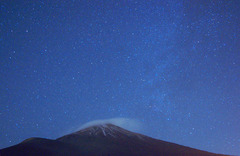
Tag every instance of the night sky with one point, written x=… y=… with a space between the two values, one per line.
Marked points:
x=172 y=65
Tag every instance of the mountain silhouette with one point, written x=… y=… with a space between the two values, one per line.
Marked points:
x=102 y=140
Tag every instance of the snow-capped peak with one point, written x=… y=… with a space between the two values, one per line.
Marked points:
x=107 y=130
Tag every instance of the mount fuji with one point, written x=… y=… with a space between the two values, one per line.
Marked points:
x=104 y=140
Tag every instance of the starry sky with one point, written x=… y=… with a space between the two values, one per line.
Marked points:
x=173 y=65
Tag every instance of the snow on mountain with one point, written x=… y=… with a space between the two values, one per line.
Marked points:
x=109 y=130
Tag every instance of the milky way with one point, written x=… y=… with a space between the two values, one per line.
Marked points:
x=174 y=66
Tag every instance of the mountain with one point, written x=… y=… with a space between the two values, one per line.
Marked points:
x=104 y=140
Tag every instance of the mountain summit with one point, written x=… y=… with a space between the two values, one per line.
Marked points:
x=104 y=129
x=104 y=140
x=107 y=130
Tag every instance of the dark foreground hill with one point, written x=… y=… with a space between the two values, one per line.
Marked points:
x=104 y=140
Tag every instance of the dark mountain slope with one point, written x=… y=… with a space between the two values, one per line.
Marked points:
x=40 y=147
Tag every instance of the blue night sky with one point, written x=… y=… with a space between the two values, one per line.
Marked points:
x=172 y=65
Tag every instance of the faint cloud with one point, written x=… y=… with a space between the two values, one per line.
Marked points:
x=126 y=123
